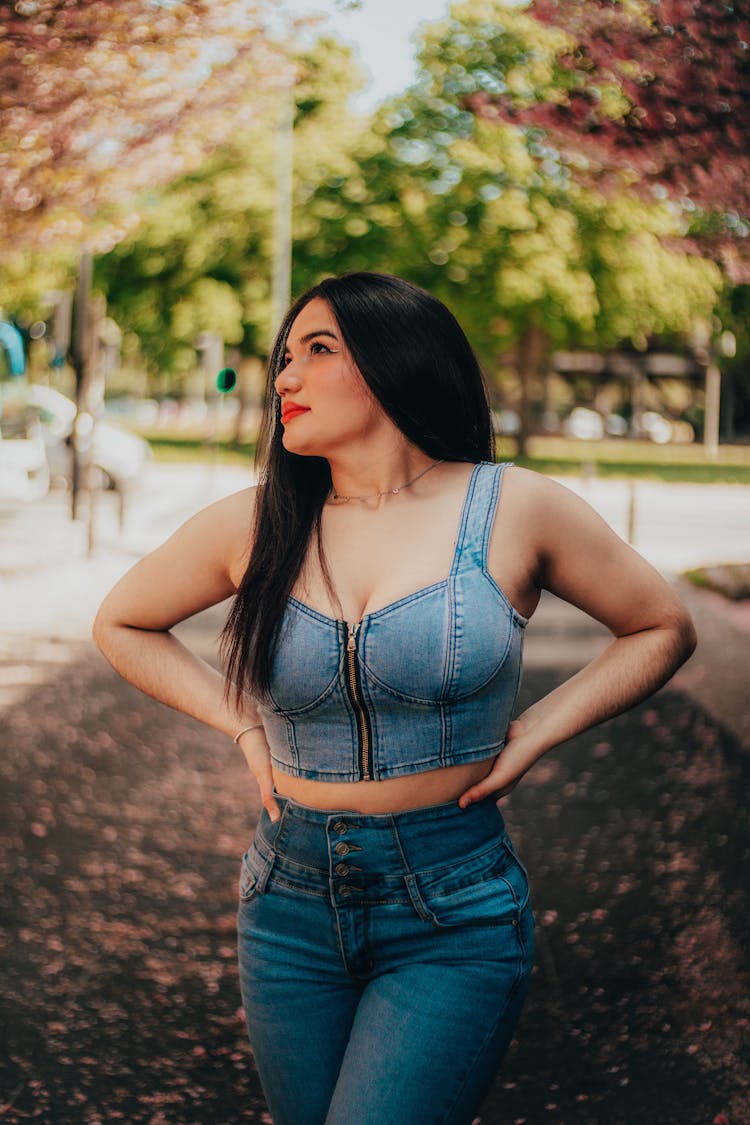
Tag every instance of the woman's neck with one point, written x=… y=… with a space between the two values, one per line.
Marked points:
x=373 y=478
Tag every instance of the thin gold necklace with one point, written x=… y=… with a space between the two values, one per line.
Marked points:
x=387 y=491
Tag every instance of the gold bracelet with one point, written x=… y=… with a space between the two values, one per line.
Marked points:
x=244 y=730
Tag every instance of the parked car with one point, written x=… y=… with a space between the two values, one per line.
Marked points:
x=505 y=422
x=654 y=427
x=585 y=424
x=24 y=472
x=590 y=425
x=119 y=457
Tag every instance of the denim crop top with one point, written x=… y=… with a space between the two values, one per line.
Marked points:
x=427 y=681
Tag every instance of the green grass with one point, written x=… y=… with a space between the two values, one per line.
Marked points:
x=176 y=449
x=698 y=578
x=685 y=464
x=730 y=579
x=675 y=473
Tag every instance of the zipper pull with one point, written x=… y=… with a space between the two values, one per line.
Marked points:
x=351 y=636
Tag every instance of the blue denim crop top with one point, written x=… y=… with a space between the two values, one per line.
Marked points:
x=427 y=681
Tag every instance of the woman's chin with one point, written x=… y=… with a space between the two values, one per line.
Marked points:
x=301 y=448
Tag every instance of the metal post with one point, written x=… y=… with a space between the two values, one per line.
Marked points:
x=94 y=406
x=631 y=511
x=80 y=363
x=281 y=277
x=713 y=408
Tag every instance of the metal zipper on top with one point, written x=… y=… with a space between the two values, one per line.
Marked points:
x=355 y=698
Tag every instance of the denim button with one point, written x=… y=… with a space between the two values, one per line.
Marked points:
x=342 y=869
x=341 y=848
x=340 y=827
x=345 y=891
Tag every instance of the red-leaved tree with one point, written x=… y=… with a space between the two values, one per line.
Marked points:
x=657 y=87
x=100 y=99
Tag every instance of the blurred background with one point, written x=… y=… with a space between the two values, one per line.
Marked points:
x=573 y=180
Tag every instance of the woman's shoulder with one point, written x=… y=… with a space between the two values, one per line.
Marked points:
x=222 y=530
x=528 y=482
x=537 y=503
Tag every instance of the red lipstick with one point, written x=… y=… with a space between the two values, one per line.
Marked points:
x=290 y=410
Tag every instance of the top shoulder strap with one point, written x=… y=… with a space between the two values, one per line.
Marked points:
x=479 y=514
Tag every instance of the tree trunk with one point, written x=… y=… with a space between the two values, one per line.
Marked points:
x=532 y=348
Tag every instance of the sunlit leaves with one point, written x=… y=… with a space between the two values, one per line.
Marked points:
x=662 y=88
x=532 y=243
x=209 y=236
x=209 y=305
x=100 y=100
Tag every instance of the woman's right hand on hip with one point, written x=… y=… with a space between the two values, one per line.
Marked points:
x=258 y=757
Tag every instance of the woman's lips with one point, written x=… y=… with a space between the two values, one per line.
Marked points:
x=291 y=411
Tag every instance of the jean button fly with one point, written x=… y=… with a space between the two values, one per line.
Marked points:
x=342 y=848
x=342 y=868
x=340 y=827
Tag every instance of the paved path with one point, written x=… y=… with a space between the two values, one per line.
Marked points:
x=122 y=824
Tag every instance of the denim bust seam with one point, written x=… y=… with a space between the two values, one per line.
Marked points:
x=291 y=735
x=321 y=698
x=442 y=699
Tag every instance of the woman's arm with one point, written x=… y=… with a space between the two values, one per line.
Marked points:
x=579 y=558
x=197 y=567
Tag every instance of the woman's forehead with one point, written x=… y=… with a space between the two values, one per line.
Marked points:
x=316 y=315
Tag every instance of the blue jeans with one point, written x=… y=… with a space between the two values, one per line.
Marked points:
x=384 y=961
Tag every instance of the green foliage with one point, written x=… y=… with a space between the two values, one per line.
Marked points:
x=26 y=280
x=486 y=216
x=98 y=100
x=201 y=258
x=482 y=213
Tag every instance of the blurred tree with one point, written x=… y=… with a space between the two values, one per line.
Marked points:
x=97 y=101
x=487 y=216
x=201 y=259
x=101 y=99
x=659 y=89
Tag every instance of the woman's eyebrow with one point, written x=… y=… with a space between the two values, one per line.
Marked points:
x=320 y=332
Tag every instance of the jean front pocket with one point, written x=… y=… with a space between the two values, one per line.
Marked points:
x=256 y=868
x=489 y=890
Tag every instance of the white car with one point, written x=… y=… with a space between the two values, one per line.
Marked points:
x=24 y=472
x=37 y=447
x=119 y=456
x=585 y=424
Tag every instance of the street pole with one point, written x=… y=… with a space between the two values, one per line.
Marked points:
x=713 y=408
x=80 y=359
x=281 y=276
x=93 y=405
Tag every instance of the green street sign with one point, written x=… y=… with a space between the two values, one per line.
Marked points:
x=226 y=380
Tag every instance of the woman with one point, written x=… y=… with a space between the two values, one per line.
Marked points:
x=385 y=569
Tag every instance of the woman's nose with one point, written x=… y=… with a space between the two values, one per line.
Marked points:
x=287 y=381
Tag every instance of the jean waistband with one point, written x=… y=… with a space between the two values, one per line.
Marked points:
x=383 y=843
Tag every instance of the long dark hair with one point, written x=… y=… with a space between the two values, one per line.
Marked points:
x=417 y=362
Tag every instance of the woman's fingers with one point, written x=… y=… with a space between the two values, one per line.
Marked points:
x=264 y=777
x=501 y=780
x=486 y=788
x=478 y=792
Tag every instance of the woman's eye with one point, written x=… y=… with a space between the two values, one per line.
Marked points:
x=317 y=347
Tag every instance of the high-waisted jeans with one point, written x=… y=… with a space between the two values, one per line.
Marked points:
x=384 y=961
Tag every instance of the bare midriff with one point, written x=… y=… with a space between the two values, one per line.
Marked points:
x=396 y=794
